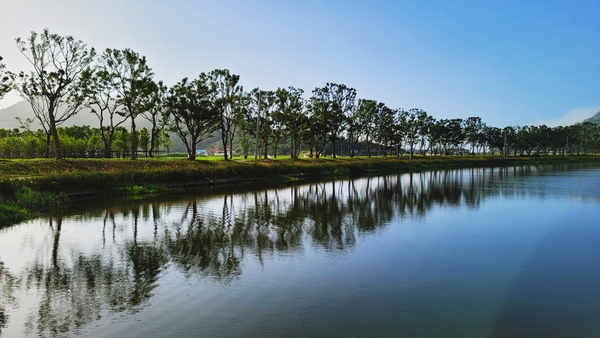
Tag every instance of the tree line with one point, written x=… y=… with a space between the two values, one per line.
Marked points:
x=118 y=87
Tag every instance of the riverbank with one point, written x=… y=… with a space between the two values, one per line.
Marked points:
x=28 y=187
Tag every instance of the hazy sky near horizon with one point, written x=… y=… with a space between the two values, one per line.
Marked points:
x=509 y=62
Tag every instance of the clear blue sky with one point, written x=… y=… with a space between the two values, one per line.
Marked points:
x=509 y=62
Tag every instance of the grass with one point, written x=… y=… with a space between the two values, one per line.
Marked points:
x=31 y=184
x=11 y=214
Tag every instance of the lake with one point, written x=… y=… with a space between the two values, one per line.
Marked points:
x=485 y=252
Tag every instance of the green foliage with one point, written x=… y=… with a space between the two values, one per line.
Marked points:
x=119 y=86
x=11 y=214
x=53 y=89
x=228 y=91
x=192 y=111
x=27 y=197
x=131 y=78
x=6 y=80
x=131 y=189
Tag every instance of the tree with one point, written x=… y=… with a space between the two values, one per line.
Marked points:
x=558 y=141
x=384 y=122
x=289 y=113
x=102 y=99
x=451 y=135
x=473 y=129
x=247 y=122
x=144 y=140
x=397 y=131
x=95 y=145
x=53 y=87
x=316 y=134
x=164 y=140
x=337 y=101
x=510 y=135
x=494 y=138
x=426 y=127
x=267 y=108
x=192 y=111
x=6 y=80
x=454 y=134
x=587 y=133
x=227 y=88
x=122 y=142
x=354 y=129
x=132 y=79
x=365 y=127
x=413 y=120
x=156 y=114
x=431 y=132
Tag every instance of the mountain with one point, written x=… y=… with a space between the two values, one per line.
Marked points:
x=8 y=115
x=594 y=119
x=85 y=117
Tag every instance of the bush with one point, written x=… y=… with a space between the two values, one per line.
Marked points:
x=11 y=214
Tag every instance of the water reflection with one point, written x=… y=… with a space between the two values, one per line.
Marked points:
x=6 y=296
x=114 y=256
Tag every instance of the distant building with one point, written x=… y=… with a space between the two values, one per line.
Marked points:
x=215 y=152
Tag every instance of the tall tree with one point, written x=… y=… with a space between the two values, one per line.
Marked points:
x=453 y=135
x=384 y=122
x=247 y=121
x=192 y=111
x=156 y=115
x=426 y=127
x=132 y=79
x=53 y=87
x=431 y=132
x=473 y=129
x=290 y=113
x=316 y=135
x=413 y=120
x=227 y=87
x=366 y=112
x=267 y=108
x=6 y=80
x=101 y=98
x=337 y=102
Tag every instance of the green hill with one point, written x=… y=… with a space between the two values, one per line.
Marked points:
x=594 y=119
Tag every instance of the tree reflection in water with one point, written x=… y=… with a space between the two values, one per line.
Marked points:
x=209 y=237
x=7 y=282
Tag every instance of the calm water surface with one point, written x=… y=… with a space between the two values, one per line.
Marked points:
x=462 y=253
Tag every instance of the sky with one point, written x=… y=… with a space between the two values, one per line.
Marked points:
x=508 y=62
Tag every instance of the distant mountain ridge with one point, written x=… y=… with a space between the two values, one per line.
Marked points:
x=85 y=117
x=594 y=119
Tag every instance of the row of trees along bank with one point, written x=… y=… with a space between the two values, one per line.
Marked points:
x=118 y=87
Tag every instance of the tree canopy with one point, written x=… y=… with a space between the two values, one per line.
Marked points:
x=6 y=80
x=119 y=86
x=53 y=87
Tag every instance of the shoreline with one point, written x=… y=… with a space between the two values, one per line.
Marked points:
x=32 y=187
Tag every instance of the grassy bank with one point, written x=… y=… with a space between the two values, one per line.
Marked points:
x=36 y=184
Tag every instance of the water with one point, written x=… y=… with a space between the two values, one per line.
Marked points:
x=461 y=253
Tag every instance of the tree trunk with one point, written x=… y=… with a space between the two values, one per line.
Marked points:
x=133 y=139
x=224 y=141
x=333 y=147
x=57 y=150
x=48 y=136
